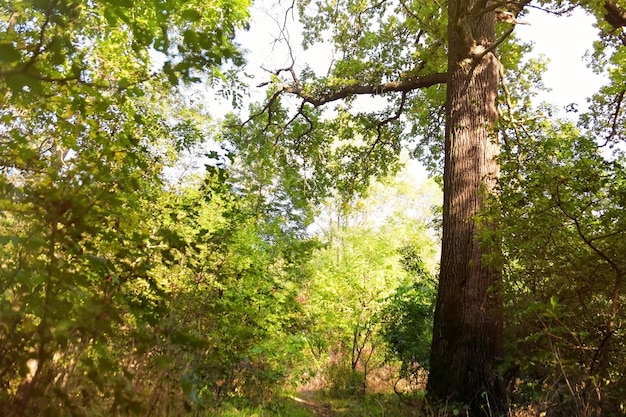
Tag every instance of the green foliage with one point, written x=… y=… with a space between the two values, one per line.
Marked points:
x=352 y=276
x=373 y=43
x=106 y=44
x=77 y=258
x=407 y=325
x=123 y=294
x=563 y=233
x=314 y=156
x=562 y=208
x=92 y=261
x=344 y=380
x=232 y=312
x=381 y=41
x=271 y=163
x=121 y=311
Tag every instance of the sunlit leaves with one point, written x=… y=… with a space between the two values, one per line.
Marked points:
x=374 y=248
x=236 y=276
x=60 y=41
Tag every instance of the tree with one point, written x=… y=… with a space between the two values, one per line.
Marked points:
x=562 y=191
x=233 y=327
x=404 y=52
x=468 y=326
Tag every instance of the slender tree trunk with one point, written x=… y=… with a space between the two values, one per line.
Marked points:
x=467 y=336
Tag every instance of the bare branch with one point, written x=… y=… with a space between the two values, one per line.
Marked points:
x=278 y=71
x=379 y=127
x=290 y=10
x=562 y=12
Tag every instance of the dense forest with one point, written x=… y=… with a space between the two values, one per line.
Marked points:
x=179 y=237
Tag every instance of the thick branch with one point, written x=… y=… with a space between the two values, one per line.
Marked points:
x=615 y=16
x=615 y=125
x=396 y=86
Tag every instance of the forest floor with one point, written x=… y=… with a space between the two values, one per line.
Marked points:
x=320 y=408
x=320 y=404
x=317 y=399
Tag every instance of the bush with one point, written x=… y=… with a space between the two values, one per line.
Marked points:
x=344 y=380
x=407 y=325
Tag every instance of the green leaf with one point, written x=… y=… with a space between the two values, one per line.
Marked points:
x=20 y=83
x=554 y=302
x=8 y=52
x=168 y=70
x=123 y=83
x=164 y=361
x=191 y=15
x=5 y=240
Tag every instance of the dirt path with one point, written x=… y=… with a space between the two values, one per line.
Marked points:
x=320 y=409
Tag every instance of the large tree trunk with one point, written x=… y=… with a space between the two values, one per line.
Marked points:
x=467 y=336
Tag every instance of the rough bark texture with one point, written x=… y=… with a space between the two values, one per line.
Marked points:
x=467 y=336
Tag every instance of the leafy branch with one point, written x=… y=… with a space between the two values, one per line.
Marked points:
x=351 y=90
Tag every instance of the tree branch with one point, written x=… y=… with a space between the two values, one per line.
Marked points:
x=615 y=122
x=491 y=48
x=379 y=127
x=615 y=16
x=584 y=237
x=344 y=92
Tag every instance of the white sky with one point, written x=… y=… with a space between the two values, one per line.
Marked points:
x=564 y=40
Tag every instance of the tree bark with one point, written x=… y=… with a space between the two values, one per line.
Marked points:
x=467 y=335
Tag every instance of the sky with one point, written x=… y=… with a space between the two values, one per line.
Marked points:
x=565 y=41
